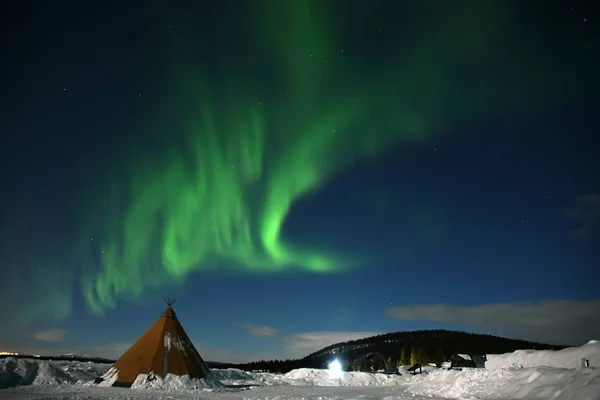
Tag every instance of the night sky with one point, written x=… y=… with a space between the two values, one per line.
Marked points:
x=298 y=173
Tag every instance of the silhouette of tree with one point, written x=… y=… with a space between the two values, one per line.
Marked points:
x=414 y=356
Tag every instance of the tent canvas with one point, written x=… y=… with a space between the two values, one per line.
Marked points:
x=164 y=349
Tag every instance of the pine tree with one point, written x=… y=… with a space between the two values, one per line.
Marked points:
x=379 y=364
x=414 y=356
x=367 y=364
x=403 y=357
x=422 y=357
x=355 y=366
x=440 y=358
x=346 y=365
x=390 y=363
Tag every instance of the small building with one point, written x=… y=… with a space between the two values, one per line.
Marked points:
x=467 y=361
x=479 y=360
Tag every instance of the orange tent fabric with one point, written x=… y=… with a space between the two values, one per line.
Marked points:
x=164 y=349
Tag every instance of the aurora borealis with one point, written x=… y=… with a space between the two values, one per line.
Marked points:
x=177 y=145
x=252 y=151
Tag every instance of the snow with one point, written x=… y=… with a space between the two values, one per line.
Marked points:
x=181 y=345
x=174 y=382
x=526 y=383
x=238 y=377
x=554 y=375
x=109 y=377
x=167 y=340
x=74 y=355
x=321 y=377
x=567 y=358
x=21 y=371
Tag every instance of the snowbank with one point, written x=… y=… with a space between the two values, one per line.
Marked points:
x=232 y=374
x=567 y=358
x=21 y=371
x=320 y=377
x=238 y=377
x=175 y=382
x=535 y=383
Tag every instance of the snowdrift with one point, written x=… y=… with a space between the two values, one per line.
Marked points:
x=320 y=377
x=567 y=358
x=174 y=382
x=22 y=371
x=534 y=383
x=238 y=377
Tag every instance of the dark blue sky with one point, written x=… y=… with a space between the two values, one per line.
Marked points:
x=488 y=225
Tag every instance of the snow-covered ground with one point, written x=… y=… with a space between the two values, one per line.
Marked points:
x=534 y=377
x=571 y=357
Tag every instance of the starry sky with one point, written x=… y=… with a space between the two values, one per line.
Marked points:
x=298 y=173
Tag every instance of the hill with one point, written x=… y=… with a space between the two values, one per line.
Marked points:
x=427 y=345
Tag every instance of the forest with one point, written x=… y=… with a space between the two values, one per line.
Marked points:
x=381 y=352
x=390 y=350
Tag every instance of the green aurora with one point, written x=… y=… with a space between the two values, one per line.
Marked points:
x=229 y=152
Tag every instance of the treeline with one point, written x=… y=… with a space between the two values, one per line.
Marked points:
x=412 y=356
x=405 y=348
x=99 y=360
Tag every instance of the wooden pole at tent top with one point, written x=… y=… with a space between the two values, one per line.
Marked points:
x=169 y=301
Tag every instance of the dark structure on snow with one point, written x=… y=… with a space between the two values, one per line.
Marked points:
x=459 y=361
x=363 y=357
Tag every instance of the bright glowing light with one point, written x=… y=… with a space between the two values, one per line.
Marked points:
x=335 y=369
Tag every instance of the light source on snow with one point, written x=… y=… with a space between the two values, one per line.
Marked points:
x=335 y=369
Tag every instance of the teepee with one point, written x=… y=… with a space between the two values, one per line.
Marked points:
x=164 y=349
